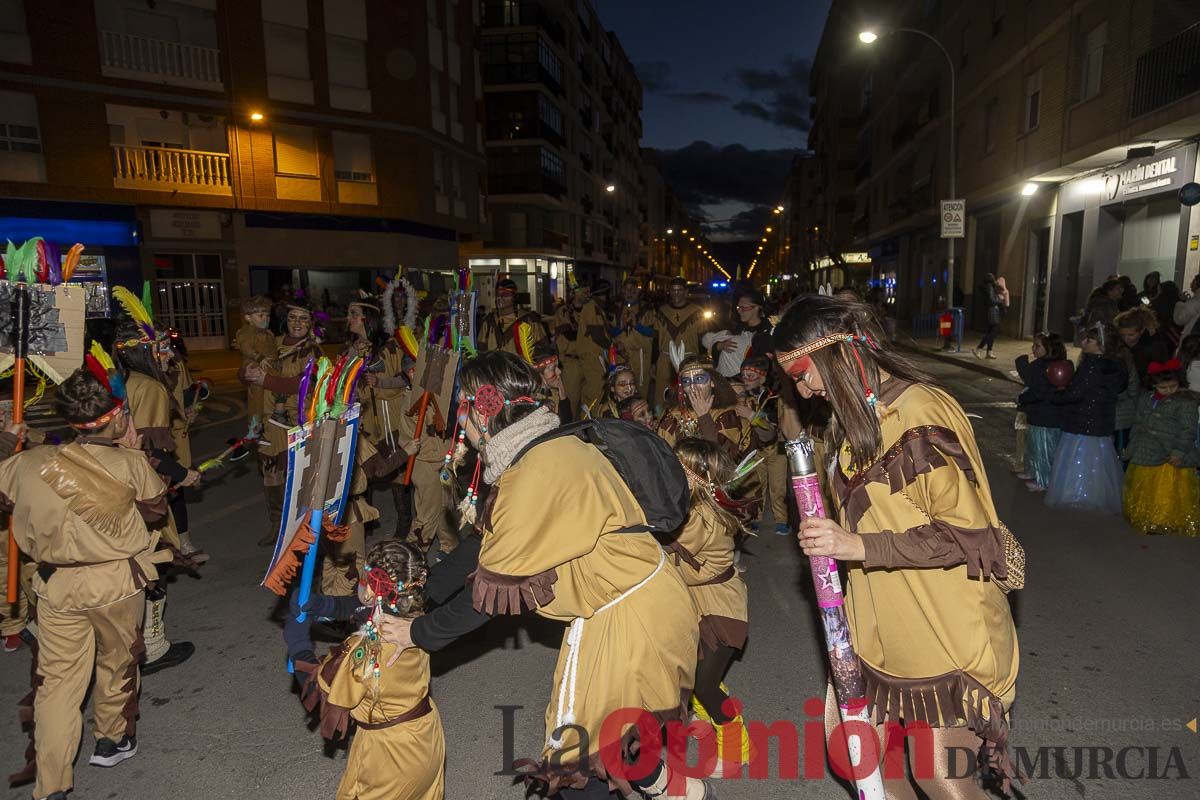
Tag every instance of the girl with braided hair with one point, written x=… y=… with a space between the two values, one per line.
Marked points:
x=704 y=553
x=399 y=750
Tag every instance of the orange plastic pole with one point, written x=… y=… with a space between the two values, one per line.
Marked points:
x=18 y=416
x=412 y=460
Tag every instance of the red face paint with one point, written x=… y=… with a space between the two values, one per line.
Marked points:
x=797 y=368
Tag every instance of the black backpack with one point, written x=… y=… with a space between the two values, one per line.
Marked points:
x=644 y=461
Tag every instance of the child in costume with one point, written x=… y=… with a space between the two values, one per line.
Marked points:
x=1087 y=472
x=1043 y=428
x=80 y=511
x=705 y=409
x=760 y=410
x=256 y=343
x=620 y=385
x=398 y=752
x=704 y=553
x=1162 y=491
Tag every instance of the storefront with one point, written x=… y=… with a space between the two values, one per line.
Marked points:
x=109 y=233
x=1126 y=220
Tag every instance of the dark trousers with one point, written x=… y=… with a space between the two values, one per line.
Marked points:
x=710 y=670
x=989 y=338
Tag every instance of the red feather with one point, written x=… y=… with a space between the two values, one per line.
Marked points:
x=97 y=370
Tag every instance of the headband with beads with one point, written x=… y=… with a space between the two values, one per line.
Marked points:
x=488 y=402
x=851 y=339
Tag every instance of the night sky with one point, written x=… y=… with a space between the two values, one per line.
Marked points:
x=726 y=96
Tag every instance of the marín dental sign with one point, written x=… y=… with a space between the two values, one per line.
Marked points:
x=1138 y=179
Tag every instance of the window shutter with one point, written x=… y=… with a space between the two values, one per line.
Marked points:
x=296 y=151
x=352 y=156
x=347 y=62
x=346 y=18
x=286 y=12
x=287 y=50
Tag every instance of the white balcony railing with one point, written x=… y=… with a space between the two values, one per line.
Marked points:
x=168 y=169
x=139 y=58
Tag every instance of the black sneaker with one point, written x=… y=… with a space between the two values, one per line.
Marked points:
x=109 y=753
x=176 y=654
x=56 y=796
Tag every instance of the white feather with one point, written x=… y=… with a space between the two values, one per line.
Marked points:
x=389 y=313
x=677 y=351
x=410 y=304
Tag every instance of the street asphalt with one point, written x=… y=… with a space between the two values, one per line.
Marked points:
x=1110 y=645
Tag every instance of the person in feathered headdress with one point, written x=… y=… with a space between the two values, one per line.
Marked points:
x=95 y=555
x=582 y=335
x=678 y=325
x=280 y=379
x=544 y=358
x=620 y=386
x=634 y=333
x=498 y=328
x=705 y=409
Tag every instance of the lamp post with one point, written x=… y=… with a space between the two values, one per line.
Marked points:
x=870 y=37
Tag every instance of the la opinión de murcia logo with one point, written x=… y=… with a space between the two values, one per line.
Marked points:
x=804 y=752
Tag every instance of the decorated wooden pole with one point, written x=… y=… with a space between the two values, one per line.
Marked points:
x=412 y=459
x=20 y=353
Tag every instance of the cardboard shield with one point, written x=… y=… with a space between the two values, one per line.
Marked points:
x=55 y=327
x=303 y=457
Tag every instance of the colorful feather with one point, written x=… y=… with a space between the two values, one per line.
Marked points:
x=53 y=264
x=389 y=310
x=97 y=370
x=134 y=308
x=318 y=408
x=43 y=263
x=408 y=341
x=523 y=340
x=148 y=300
x=21 y=263
x=306 y=378
x=72 y=261
x=410 y=304
x=116 y=386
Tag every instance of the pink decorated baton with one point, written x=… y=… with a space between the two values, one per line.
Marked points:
x=844 y=668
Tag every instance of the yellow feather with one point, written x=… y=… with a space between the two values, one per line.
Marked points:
x=133 y=306
x=524 y=341
x=101 y=355
x=408 y=341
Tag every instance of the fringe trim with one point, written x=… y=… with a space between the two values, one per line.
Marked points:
x=292 y=559
x=716 y=631
x=333 y=720
x=493 y=593
x=137 y=649
x=952 y=700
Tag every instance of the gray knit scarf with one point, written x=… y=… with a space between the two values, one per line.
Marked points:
x=503 y=447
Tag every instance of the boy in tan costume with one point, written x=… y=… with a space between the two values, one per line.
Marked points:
x=80 y=511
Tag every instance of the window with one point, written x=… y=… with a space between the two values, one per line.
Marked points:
x=346 y=18
x=549 y=61
x=431 y=8
x=296 y=151
x=1093 y=61
x=439 y=177
x=19 y=123
x=455 y=102
x=1033 y=100
x=990 y=117
x=286 y=12
x=455 y=170
x=352 y=157
x=997 y=16
x=287 y=50
x=451 y=12
x=552 y=164
x=435 y=89
x=14 y=38
x=347 y=62
x=551 y=116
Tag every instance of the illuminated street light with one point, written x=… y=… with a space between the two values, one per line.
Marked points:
x=1029 y=189
x=256 y=116
x=769 y=229
x=670 y=231
x=868 y=37
x=610 y=188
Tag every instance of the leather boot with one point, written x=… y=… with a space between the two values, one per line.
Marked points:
x=160 y=652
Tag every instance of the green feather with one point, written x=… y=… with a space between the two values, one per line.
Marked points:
x=324 y=371
x=10 y=261
x=21 y=263
x=148 y=300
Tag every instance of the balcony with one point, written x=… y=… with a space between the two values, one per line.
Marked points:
x=509 y=130
x=529 y=72
x=1167 y=73
x=525 y=183
x=159 y=61
x=507 y=14
x=167 y=169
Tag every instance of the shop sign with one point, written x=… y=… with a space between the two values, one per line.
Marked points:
x=1140 y=178
x=170 y=224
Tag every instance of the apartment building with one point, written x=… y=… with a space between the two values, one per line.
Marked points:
x=566 y=195
x=224 y=149
x=1075 y=126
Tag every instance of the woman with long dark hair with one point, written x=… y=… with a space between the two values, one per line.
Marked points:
x=705 y=409
x=921 y=538
x=559 y=538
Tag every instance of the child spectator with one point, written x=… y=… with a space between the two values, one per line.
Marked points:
x=1162 y=491
x=1087 y=473
x=1043 y=417
x=1138 y=328
x=256 y=343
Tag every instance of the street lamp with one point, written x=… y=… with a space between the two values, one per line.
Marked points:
x=256 y=116
x=670 y=231
x=869 y=37
x=610 y=188
x=1029 y=189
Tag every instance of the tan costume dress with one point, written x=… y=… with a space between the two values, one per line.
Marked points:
x=498 y=333
x=153 y=410
x=80 y=511
x=431 y=503
x=257 y=346
x=934 y=632
x=584 y=359
x=180 y=378
x=721 y=426
x=681 y=325
x=552 y=543
x=399 y=751
x=703 y=551
x=637 y=346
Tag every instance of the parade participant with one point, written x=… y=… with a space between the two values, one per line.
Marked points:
x=14 y=618
x=636 y=409
x=152 y=409
x=584 y=342
x=704 y=553
x=760 y=410
x=178 y=379
x=678 y=324
x=544 y=359
x=1162 y=493
x=498 y=328
x=705 y=409
x=919 y=535
x=1045 y=426
x=256 y=344
x=279 y=378
x=398 y=751
x=1087 y=471
x=431 y=519
x=80 y=511
x=634 y=334
x=558 y=540
x=620 y=385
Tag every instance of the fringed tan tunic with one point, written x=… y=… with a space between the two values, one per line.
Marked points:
x=933 y=630
x=703 y=551
x=553 y=543
x=721 y=426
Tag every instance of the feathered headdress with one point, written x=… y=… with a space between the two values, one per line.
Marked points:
x=99 y=358
x=677 y=352
x=40 y=261
x=139 y=314
x=389 y=311
x=523 y=340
